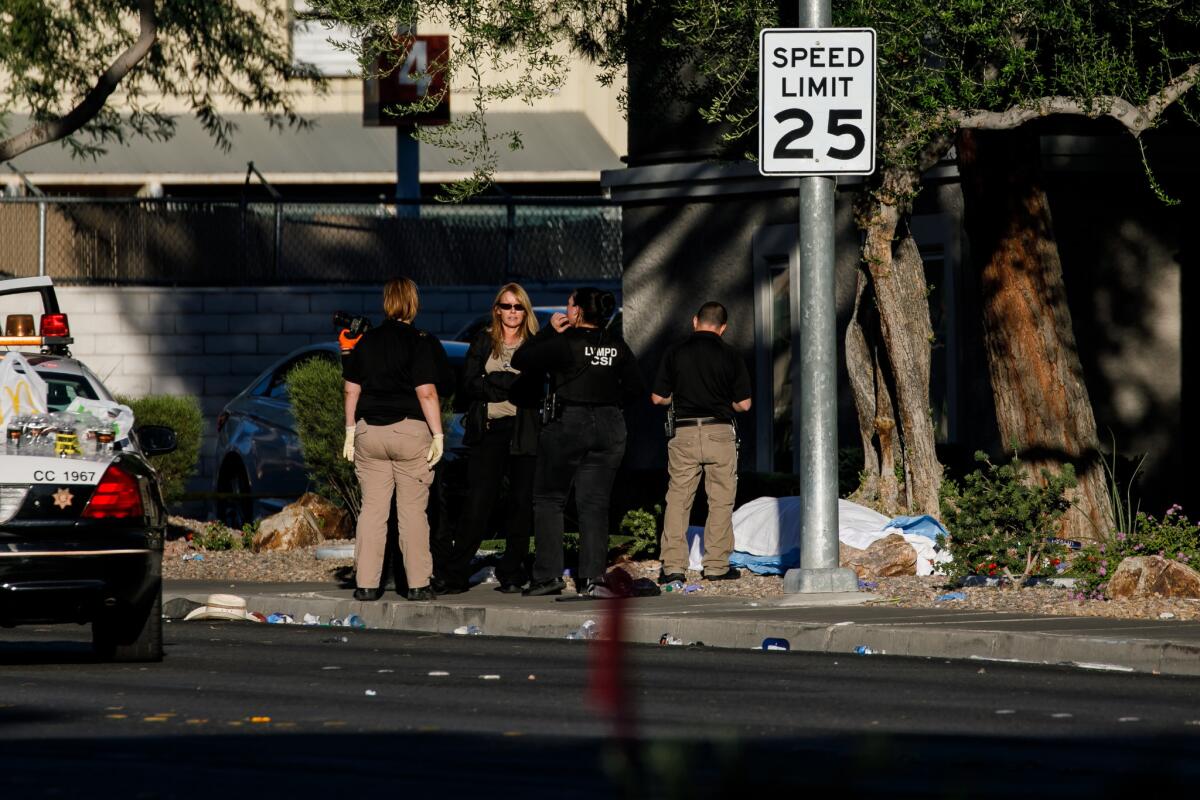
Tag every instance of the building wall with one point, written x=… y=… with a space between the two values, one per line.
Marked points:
x=683 y=251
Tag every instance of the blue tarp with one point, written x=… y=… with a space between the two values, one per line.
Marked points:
x=766 y=565
x=923 y=525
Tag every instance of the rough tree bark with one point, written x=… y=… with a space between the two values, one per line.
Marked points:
x=1042 y=404
x=898 y=282
x=860 y=365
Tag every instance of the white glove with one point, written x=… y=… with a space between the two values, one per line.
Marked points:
x=435 y=449
x=348 y=444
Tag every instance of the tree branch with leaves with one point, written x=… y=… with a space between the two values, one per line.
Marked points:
x=95 y=72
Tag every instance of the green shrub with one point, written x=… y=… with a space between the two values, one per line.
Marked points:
x=248 y=531
x=218 y=537
x=183 y=415
x=643 y=527
x=315 y=390
x=1001 y=523
x=1174 y=536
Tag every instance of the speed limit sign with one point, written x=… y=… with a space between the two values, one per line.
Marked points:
x=816 y=101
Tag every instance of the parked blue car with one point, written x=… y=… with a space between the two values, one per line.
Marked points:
x=259 y=463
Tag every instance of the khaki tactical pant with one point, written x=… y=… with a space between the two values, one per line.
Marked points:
x=710 y=450
x=388 y=457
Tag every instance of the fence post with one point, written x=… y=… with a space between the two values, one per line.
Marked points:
x=510 y=233
x=278 y=240
x=41 y=238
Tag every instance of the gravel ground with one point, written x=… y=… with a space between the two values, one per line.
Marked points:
x=907 y=592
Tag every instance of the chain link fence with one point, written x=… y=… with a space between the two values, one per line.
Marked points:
x=231 y=243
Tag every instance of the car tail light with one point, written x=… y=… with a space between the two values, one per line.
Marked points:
x=222 y=418
x=117 y=496
x=55 y=325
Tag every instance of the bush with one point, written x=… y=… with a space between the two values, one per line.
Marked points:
x=1002 y=524
x=315 y=390
x=1173 y=536
x=218 y=537
x=643 y=527
x=183 y=415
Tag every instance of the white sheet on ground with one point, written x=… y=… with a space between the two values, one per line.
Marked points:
x=770 y=527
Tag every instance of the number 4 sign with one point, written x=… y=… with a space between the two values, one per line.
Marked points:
x=816 y=101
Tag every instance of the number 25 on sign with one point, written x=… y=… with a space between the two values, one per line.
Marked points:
x=816 y=101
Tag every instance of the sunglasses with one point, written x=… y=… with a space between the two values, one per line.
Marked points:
x=510 y=306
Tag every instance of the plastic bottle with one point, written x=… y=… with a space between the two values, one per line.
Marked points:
x=587 y=630
x=673 y=586
x=468 y=630
x=864 y=650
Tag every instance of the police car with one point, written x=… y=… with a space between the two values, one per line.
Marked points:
x=81 y=533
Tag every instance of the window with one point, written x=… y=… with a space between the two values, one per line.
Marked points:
x=62 y=389
x=310 y=42
x=276 y=385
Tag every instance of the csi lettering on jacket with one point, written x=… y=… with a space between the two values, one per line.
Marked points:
x=585 y=365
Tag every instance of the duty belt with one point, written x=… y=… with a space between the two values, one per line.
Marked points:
x=686 y=421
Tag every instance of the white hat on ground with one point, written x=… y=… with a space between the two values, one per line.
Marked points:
x=222 y=606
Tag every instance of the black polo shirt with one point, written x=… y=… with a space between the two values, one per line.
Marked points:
x=704 y=377
x=389 y=362
x=587 y=366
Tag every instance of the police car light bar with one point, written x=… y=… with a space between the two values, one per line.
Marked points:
x=54 y=331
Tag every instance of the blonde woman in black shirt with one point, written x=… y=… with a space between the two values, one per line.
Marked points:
x=501 y=428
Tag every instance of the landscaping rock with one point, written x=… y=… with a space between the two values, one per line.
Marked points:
x=1146 y=576
x=292 y=528
x=885 y=558
x=848 y=555
x=333 y=522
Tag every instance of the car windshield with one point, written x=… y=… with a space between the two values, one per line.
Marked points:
x=62 y=389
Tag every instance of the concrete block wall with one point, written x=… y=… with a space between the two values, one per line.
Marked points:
x=212 y=342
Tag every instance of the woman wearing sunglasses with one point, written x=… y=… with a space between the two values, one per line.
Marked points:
x=501 y=428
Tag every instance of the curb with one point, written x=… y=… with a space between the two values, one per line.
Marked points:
x=1119 y=654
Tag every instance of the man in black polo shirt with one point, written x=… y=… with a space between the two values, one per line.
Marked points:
x=707 y=382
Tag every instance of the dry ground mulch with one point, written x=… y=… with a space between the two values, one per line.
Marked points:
x=301 y=566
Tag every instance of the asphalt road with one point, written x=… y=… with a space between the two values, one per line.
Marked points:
x=239 y=710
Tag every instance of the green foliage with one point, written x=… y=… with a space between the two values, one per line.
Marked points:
x=249 y=529
x=315 y=390
x=1173 y=536
x=218 y=537
x=1124 y=511
x=940 y=61
x=52 y=55
x=183 y=415
x=643 y=528
x=1002 y=523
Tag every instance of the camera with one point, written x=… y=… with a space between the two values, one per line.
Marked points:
x=355 y=325
x=350 y=328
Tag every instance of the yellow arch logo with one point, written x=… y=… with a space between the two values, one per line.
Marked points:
x=14 y=397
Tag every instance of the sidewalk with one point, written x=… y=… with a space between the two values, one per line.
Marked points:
x=823 y=623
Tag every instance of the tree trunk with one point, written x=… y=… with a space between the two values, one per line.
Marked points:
x=1042 y=404
x=861 y=367
x=898 y=281
x=878 y=485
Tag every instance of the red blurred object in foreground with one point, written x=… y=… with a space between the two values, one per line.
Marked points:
x=608 y=689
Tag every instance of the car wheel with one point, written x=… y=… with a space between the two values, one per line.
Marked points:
x=235 y=511
x=131 y=634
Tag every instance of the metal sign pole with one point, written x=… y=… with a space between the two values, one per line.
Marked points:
x=814 y=375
